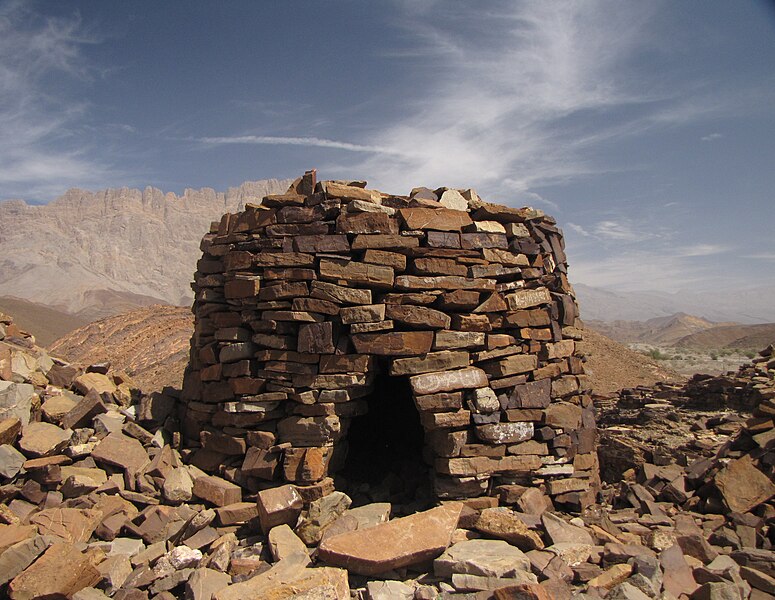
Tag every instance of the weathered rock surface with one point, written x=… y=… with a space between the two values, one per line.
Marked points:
x=398 y=543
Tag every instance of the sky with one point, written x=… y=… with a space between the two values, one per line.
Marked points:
x=647 y=129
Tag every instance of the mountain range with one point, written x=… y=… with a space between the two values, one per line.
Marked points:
x=94 y=254
x=729 y=303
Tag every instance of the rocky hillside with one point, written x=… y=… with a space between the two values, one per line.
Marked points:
x=663 y=331
x=45 y=323
x=98 y=253
x=613 y=366
x=738 y=337
x=151 y=344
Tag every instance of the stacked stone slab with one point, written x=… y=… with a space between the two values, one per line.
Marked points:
x=302 y=300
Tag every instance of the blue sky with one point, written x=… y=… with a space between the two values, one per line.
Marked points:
x=646 y=128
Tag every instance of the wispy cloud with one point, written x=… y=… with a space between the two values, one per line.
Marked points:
x=701 y=250
x=523 y=109
x=622 y=230
x=293 y=141
x=579 y=229
x=633 y=270
x=34 y=123
x=711 y=136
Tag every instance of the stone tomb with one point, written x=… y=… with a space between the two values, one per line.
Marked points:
x=459 y=313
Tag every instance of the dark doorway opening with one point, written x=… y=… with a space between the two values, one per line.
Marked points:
x=384 y=460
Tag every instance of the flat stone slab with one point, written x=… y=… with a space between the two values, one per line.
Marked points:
x=743 y=486
x=398 y=543
x=122 y=451
x=446 y=381
x=489 y=558
x=43 y=439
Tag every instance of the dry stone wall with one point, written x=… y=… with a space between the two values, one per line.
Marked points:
x=303 y=300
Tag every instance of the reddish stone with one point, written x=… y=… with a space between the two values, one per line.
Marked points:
x=395 y=544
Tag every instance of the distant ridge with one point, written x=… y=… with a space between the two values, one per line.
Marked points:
x=728 y=303
x=735 y=337
x=659 y=330
x=99 y=253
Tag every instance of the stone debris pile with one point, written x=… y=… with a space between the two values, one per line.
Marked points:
x=304 y=301
x=99 y=502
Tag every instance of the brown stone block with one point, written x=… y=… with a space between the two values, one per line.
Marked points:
x=471 y=323
x=433 y=361
x=306 y=465
x=237 y=260
x=476 y=241
x=441 y=239
x=536 y=394
x=505 y=214
x=441 y=402
x=438 y=219
x=445 y=420
x=439 y=266
x=261 y=463
x=242 y=287
x=277 y=506
x=366 y=223
x=494 y=303
x=522 y=299
x=354 y=273
x=395 y=544
x=321 y=243
x=61 y=572
x=397 y=343
x=538 y=317
x=284 y=259
x=233 y=514
x=511 y=365
x=384 y=242
x=121 y=451
x=418 y=316
x=315 y=305
x=83 y=412
x=246 y=385
x=217 y=491
x=563 y=415
x=283 y=289
x=289 y=274
x=389 y=259
x=411 y=282
x=339 y=294
x=316 y=338
x=371 y=313
x=495 y=271
x=310 y=431
x=346 y=363
x=447 y=381
x=459 y=300
x=505 y=257
x=294 y=229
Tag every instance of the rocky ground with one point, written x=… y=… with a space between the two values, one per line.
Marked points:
x=99 y=500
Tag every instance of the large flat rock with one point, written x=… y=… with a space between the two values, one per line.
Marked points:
x=398 y=543
x=743 y=486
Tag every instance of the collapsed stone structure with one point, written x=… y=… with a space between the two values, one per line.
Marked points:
x=314 y=302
